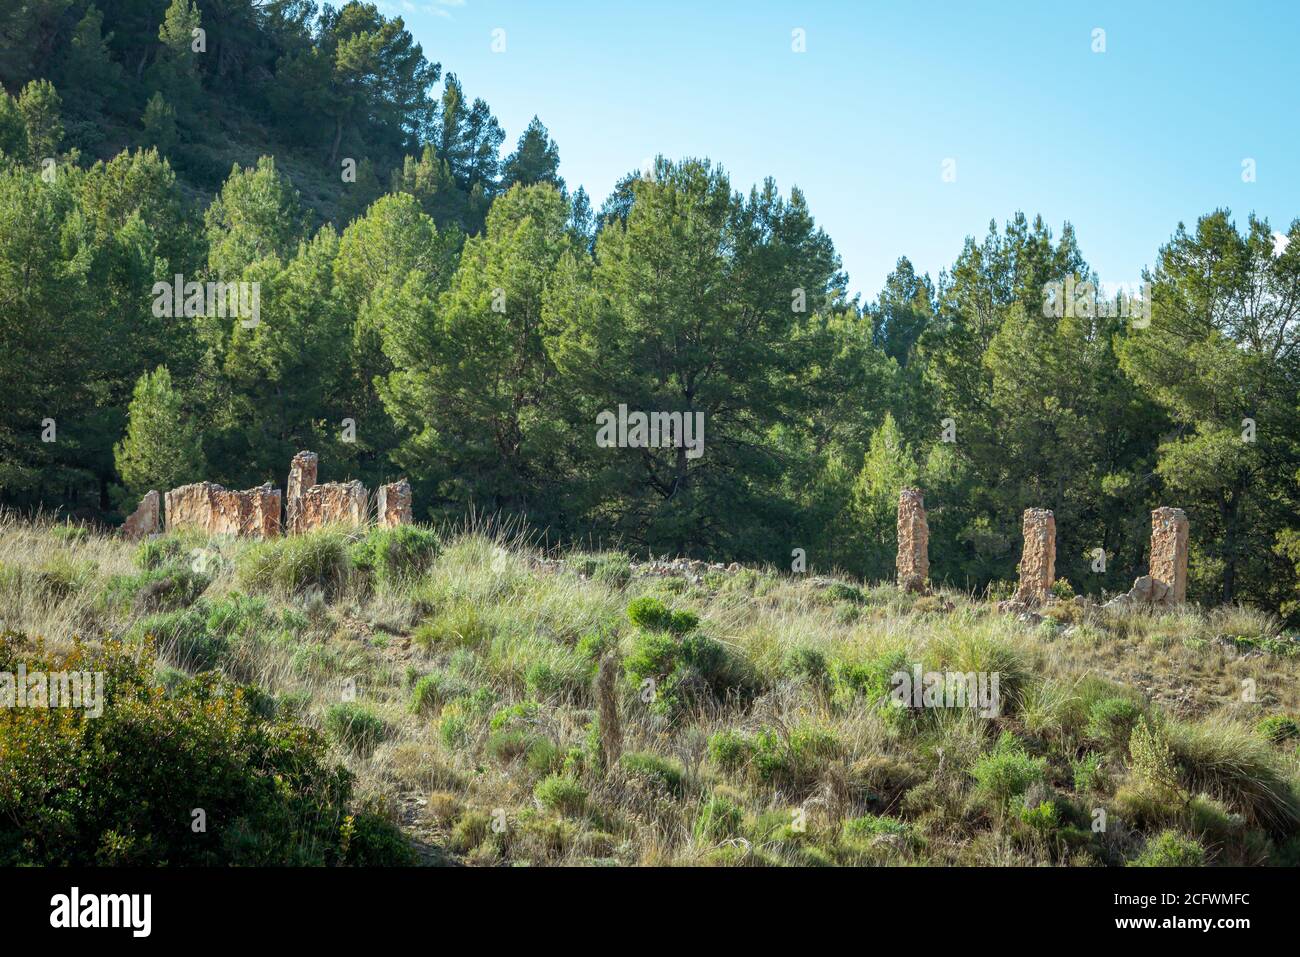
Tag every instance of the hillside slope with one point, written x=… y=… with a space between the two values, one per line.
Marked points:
x=501 y=705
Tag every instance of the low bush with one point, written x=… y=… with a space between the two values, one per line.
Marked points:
x=297 y=563
x=121 y=788
x=561 y=794
x=1007 y=771
x=1170 y=849
x=352 y=725
x=395 y=555
x=651 y=767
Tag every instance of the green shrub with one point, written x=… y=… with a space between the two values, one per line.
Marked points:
x=793 y=760
x=683 y=666
x=453 y=730
x=522 y=713
x=717 y=820
x=120 y=788
x=1151 y=758
x=297 y=563
x=561 y=794
x=160 y=589
x=840 y=591
x=395 y=555
x=154 y=553
x=1111 y=721
x=183 y=638
x=807 y=663
x=651 y=614
x=873 y=825
x=592 y=646
x=610 y=569
x=729 y=750
x=1278 y=728
x=1089 y=773
x=458 y=626
x=1043 y=816
x=1170 y=849
x=870 y=682
x=652 y=767
x=1007 y=771
x=241 y=617
x=430 y=692
x=352 y=725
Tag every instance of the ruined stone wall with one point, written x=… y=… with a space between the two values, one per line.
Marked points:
x=212 y=509
x=1038 y=561
x=1169 y=552
x=393 y=503
x=302 y=476
x=143 y=522
x=913 y=540
x=334 y=503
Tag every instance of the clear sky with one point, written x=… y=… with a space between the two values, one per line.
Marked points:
x=1124 y=144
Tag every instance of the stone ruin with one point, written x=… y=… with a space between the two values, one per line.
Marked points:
x=256 y=513
x=1165 y=585
x=302 y=476
x=1169 y=551
x=334 y=503
x=215 y=510
x=393 y=503
x=144 y=521
x=1038 y=560
x=913 y=561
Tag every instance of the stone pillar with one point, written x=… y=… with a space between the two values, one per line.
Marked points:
x=913 y=561
x=1038 y=562
x=1169 y=552
x=302 y=476
x=144 y=520
x=394 y=503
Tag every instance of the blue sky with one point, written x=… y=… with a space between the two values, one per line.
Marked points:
x=1124 y=144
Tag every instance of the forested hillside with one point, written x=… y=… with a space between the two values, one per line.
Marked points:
x=428 y=307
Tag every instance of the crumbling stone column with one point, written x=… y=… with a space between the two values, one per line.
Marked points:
x=335 y=503
x=144 y=520
x=302 y=476
x=1038 y=561
x=913 y=561
x=1169 y=552
x=394 y=503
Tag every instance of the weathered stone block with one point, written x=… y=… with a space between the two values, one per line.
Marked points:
x=209 y=508
x=394 y=503
x=302 y=476
x=1038 y=561
x=144 y=520
x=1169 y=552
x=334 y=503
x=913 y=561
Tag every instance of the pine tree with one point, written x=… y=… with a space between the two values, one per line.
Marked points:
x=536 y=159
x=161 y=448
